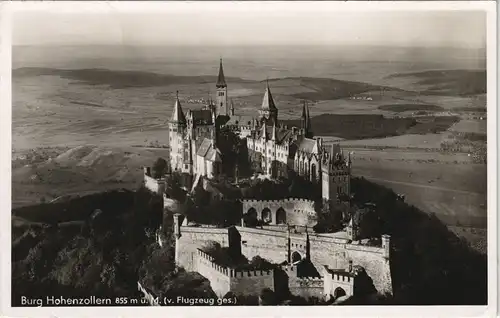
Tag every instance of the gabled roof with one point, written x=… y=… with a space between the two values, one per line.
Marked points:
x=240 y=120
x=221 y=80
x=307 y=145
x=267 y=101
x=207 y=151
x=282 y=134
x=202 y=116
x=178 y=114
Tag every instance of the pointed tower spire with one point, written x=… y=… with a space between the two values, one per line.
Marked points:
x=264 y=131
x=221 y=80
x=178 y=114
x=232 y=108
x=275 y=132
x=268 y=101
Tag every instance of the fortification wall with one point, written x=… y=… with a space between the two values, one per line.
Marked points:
x=223 y=279
x=336 y=255
x=298 y=211
x=193 y=238
x=154 y=185
x=272 y=245
x=217 y=275
x=251 y=282
x=305 y=287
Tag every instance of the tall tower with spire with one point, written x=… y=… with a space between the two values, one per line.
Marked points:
x=306 y=120
x=221 y=101
x=177 y=132
x=268 y=109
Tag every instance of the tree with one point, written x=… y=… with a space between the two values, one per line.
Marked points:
x=159 y=168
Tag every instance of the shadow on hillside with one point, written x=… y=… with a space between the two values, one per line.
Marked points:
x=430 y=264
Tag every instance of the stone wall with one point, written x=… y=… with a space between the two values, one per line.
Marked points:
x=192 y=238
x=154 y=185
x=223 y=279
x=332 y=281
x=217 y=275
x=273 y=246
x=297 y=211
x=305 y=287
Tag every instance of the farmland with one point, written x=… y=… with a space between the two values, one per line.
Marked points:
x=81 y=125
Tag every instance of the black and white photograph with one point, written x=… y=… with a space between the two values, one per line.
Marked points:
x=224 y=154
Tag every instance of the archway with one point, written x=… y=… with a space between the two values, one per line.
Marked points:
x=281 y=216
x=339 y=292
x=250 y=217
x=296 y=257
x=266 y=216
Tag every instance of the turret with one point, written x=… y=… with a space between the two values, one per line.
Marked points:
x=232 y=108
x=386 y=245
x=177 y=226
x=275 y=133
x=268 y=109
x=306 y=121
x=264 y=131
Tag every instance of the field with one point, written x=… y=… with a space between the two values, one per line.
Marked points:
x=83 y=123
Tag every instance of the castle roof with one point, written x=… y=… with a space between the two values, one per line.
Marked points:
x=201 y=116
x=267 y=101
x=221 y=80
x=178 y=114
x=307 y=145
x=282 y=134
x=240 y=120
x=207 y=151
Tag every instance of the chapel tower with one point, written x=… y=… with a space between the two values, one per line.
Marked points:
x=177 y=136
x=221 y=101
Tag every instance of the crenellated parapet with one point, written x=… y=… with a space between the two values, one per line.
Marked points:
x=208 y=261
x=281 y=201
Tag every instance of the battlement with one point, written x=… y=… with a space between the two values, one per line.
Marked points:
x=230 y=272
x=309 y=282
x=282 y=201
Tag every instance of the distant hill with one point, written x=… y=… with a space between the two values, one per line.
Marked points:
x=118 y=79
x=329 y=88
x=449 y=82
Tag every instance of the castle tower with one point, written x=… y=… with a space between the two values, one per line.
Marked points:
x=306 y=121
x=221 y=86
x=335 y=175
x=177 y=130
x=268 y=109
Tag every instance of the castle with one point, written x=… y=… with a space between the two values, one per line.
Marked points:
x=309 y=264
x=193 y=142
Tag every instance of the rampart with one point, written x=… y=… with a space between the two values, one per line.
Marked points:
x=223 y=279
x=272 y=245
x=305 y=287
x=292 y=211
x=152 y=184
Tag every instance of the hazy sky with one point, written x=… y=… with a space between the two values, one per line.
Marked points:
x=231 y=24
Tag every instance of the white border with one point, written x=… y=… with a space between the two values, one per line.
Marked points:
x=282 y=311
